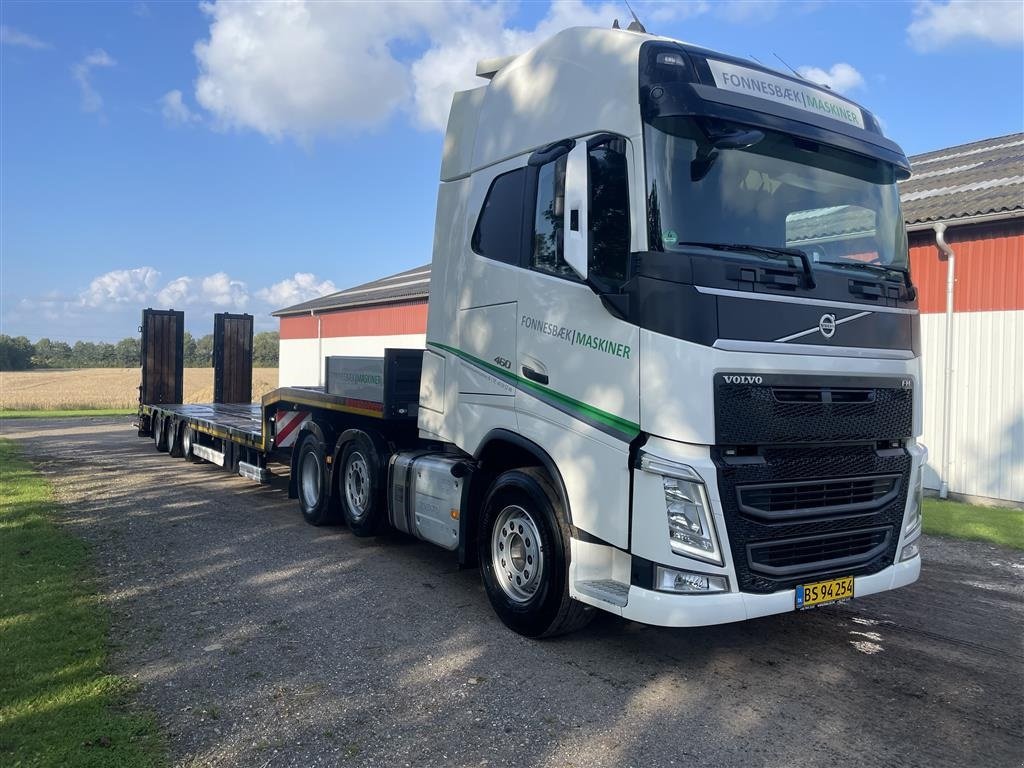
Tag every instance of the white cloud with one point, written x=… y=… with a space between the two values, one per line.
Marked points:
x=221 y=291
x=109 y=307
x=839 y=77
x=652 y=14
x=937 y=25
x=12 y=36
x=450 y=64
x=304 y=69
x=216 y=292
x=82 y=73
x=302 y=286
x=120 y=286
x=175 y=110
x=743 y=11
x=142 y=284
x=176 y=293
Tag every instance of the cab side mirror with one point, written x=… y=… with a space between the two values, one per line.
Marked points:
x=575 y=221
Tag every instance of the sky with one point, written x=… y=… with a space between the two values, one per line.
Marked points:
x=244 y=157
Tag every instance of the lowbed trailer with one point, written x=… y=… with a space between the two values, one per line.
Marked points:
x=376 y=393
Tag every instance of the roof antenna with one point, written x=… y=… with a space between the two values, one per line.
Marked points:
x=634 y=25
x=756 y=59
x=789 y=67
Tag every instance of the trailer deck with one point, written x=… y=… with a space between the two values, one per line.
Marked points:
x=232 y=421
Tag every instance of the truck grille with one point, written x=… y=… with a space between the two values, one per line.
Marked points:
x=817 y=541
x=789 y=500
x=799 y=409
x=814 y=553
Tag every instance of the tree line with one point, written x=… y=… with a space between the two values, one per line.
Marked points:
x=17 y=353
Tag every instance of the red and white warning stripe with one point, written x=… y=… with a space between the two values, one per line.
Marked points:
x=288 y=424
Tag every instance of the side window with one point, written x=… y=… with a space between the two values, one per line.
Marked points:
x=546 y=254
x=609 y=211
x=499 y=227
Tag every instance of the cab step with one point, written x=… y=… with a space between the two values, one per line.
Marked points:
x=606 y=590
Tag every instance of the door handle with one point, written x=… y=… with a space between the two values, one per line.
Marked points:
x=532 y=375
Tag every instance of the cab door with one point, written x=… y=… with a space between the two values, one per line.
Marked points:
x=578 y=365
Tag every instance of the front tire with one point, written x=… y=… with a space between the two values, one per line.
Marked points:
x=312 y=481
x=523 y=547
x=360 y=487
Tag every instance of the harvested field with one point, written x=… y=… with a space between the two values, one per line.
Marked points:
x=105 y=387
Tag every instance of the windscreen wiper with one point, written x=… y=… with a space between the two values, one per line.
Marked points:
x=762 y=250
x=878 y=269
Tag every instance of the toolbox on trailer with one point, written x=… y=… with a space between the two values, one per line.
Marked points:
x=389 y=386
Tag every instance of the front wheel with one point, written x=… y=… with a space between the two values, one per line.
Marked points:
x=523 y=549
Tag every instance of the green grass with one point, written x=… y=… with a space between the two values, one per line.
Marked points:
x=43 y=414
x=965 y=521
x=58 y=704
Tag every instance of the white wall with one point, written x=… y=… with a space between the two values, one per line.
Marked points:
x=987 y=424
x=302 y=360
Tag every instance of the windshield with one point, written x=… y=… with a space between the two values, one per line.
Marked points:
x=779 y=192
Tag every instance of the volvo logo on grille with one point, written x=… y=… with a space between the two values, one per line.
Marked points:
x=744 y=380
x=827 y=326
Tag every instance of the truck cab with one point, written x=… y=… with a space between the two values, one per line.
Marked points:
x=672 y=337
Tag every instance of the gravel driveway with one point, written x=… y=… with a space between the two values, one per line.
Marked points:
x=261 y=641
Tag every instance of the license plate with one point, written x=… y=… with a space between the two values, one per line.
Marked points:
x=823 y=592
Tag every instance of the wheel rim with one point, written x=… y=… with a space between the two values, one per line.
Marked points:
x=310 y=477
x=186 y=442
x=169 y=437
x=517 y=557
x=357 y=485
x=158 y=432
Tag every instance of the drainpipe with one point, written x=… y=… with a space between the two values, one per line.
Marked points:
x=319 y=348
x=947 y=390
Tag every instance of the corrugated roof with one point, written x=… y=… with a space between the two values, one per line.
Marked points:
x=410 y=285
x=977 y=179
x=984 y=177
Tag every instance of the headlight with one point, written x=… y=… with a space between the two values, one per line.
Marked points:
x=690 y=527
x=912 y=527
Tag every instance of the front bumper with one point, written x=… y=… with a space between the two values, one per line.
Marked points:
x=674 y=610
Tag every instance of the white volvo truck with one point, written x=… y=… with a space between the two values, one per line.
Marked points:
x=672 y=363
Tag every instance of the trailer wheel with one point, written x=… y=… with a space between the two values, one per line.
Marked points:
x=187 y=438
x=174 y=435
x=523 y=547
x=159 y=434
x=360 y=487
x=312 y=482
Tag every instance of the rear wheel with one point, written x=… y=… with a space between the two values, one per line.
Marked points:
x=187 y=438
x=159 y=438
x=360 y=488
x=174 y=436
x=523 y=547
x=312 y=483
